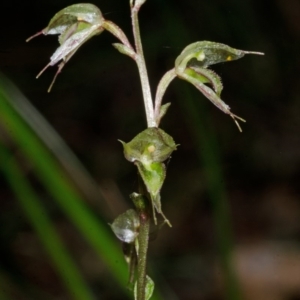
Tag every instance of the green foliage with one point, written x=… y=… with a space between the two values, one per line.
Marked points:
x=37 y=215
x=49 y=172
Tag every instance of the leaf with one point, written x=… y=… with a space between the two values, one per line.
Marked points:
x=124 y=50
x=62 y=190
x=163 y=110
x=126 y=226
x=75 y=24
x=149 y=289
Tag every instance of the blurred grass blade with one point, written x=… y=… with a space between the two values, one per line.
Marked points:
x=55 y=180
x=46 y=232
x=53 y=141
x=50 y=173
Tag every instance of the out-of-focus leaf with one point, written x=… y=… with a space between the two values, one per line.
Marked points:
x=37 y=216
x=47 y=134
x=49 y=172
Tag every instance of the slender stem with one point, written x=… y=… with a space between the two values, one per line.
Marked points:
x=143 y=240
x=140 y=60
x=140 y=202
x=142 y=206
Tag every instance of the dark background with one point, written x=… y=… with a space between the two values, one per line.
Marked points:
x=97 y=100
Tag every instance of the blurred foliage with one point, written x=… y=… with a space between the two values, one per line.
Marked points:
x=218 y=178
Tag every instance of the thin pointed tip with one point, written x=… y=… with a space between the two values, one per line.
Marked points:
x=254 y=52
x=33 y=36
x=235 y=117
x=52 y=83
x=41 y=72
x=238 y=126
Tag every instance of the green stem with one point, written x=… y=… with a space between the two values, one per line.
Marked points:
x=143 y=240
x=141 y=205
x=140 y=60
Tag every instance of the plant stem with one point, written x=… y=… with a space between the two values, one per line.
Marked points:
x=142 y=206
x=143 y=240
x=140 y=60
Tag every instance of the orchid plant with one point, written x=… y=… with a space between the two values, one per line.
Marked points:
x=149 y=149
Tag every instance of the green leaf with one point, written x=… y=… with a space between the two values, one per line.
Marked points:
x=124 y=49
x=75 y=24
x=163 y=110
x=148 y=289
x=63 y=191
x=37 y=216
